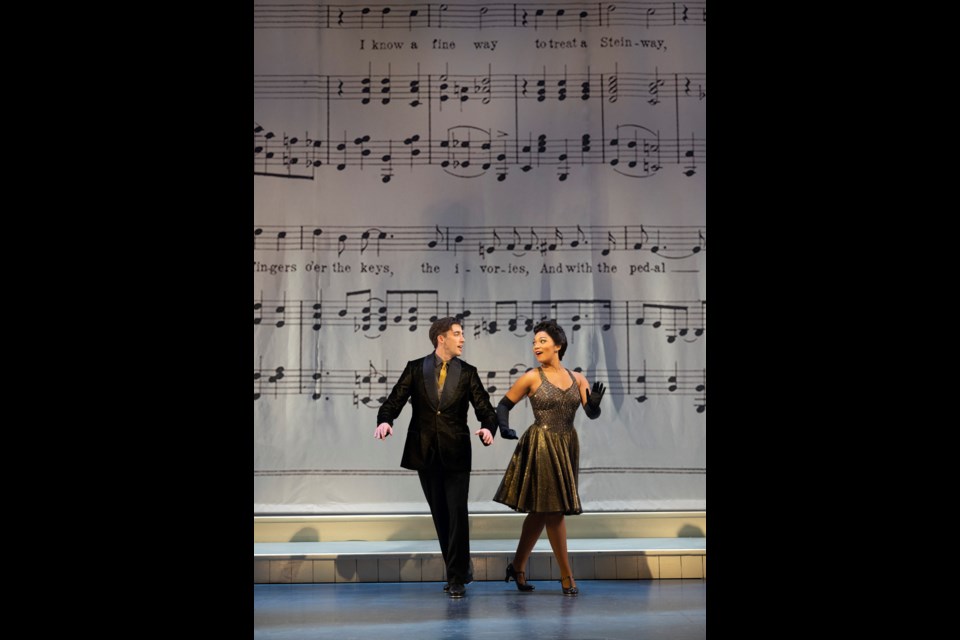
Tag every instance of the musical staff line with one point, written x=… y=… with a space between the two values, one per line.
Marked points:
x=407 y=89
x=470 y=152
x=370 y=386
x=414 y=309
x=504 y=15
x=671 y=242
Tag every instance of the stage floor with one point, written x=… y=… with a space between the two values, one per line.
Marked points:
x=604 y=610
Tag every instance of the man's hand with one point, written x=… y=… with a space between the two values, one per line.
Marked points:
x=383 y=430
x=485 y=436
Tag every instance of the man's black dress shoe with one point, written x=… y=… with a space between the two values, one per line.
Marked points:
x=457 y=590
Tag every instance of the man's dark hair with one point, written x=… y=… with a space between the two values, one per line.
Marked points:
x=440 y=327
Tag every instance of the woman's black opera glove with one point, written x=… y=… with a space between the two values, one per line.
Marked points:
x=592 y=408
x=503 y=409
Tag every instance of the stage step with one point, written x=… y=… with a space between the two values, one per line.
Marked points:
x=403 y=548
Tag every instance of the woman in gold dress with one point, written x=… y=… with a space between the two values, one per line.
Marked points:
x=541 y=479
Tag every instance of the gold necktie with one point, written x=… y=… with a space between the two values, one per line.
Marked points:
x=443 y=378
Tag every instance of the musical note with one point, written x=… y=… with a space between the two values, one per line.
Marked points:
x=644 y=237
x=318 y=314
x=651 y=148
x=691 y=168
x=535 y=240
x=560 y=12
x=443 y=88
x=385 y=88
x=413 y=14
x=387 y=171
x=411 y=142
x=502 y=159
x=654 y=87
x=558 y=237
x=258 y=380
x=613 y=88
x=383 y=15
x=541 y=146
x=462 y=92
x=482 y=12
x=373 y=376
x=382 y=316
x=528 y=149
x=610 y=9
x=580 y=234
x=633 y=145
x=490 y=387
x=642 y=380
x=702 y=388
x=615 y=142
x=365 y=88
x=275 y=378
x=342 y=147
x=583 y=16
x=317 y=377
x=413 y=310
x=365 y=239
x=563 y=170
x=364 y=152
x=516 y=238
x=440 y=236
x=484 y=88
x=494 y=245
x=611 y=243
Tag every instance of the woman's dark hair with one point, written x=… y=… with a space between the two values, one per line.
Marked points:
x=552 y=329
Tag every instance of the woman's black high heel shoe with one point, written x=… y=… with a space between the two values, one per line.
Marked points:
x=517 y=576
x=572 y=590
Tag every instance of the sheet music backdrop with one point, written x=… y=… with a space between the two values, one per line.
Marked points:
x=506 y=162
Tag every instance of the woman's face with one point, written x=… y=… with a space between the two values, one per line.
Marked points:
x=544 y=348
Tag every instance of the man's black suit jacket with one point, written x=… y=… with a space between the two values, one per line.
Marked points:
x=441 y=423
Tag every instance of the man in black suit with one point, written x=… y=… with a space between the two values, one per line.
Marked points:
x=438 y=446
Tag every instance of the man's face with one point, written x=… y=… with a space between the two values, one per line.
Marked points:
x=451 y=342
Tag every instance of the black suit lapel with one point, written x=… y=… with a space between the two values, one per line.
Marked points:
x=450 y=384
x=430 y=380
